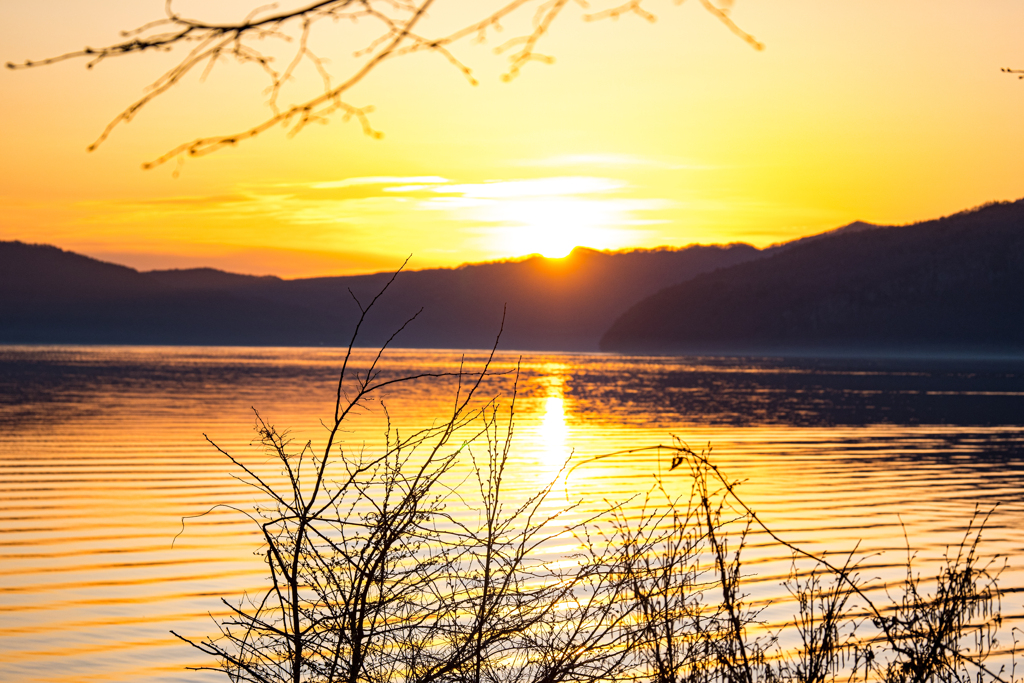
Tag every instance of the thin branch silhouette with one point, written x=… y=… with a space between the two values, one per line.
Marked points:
x=396 y=23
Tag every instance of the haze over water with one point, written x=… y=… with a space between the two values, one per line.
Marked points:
x=103 y=455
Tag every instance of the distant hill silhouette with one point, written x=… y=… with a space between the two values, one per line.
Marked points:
x=48 y=295
x=52 y=296
x=856 y=226
x=194 y=279
x=949 y=285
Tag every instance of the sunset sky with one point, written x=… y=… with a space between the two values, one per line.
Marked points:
x=638 y=135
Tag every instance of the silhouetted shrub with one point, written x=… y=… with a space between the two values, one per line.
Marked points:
x=407 y=565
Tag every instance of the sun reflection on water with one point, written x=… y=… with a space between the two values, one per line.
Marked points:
x=552 y=435
x=554 y=432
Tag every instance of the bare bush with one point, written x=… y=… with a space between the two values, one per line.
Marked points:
x=372 y=578
x=408 y=564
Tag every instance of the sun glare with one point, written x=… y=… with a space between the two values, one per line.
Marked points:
x=552 y=245
x=552 y=227
x=546 y=216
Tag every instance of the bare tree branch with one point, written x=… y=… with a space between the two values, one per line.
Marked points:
x=207 y=43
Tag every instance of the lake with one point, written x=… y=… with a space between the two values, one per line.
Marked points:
x=103 y=464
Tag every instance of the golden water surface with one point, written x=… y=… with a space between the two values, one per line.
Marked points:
x=103 y=461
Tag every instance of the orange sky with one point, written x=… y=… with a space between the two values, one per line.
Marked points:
x=638 y=135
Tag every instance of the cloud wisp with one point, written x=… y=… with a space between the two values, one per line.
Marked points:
x=481 y=220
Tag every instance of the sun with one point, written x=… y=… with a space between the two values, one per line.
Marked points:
x=552 y=227
x=550 y=243
x=551 y=216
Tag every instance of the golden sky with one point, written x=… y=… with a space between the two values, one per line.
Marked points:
x=638 y=135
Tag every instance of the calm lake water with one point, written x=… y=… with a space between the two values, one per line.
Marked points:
x=102 y=455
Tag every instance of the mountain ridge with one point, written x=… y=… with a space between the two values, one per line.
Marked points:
x=952 y=284
x=945 y=284
x=550 y=304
